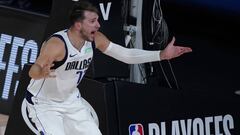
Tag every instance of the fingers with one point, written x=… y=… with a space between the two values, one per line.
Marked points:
x=182 y=50
x=172 y=41
x=52 y=74
x=47 y=71
x=52 y=65
x=185 y=49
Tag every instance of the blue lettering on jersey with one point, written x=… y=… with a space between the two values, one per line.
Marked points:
x=76 y=65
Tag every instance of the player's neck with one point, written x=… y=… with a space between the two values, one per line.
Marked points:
x=75 y=39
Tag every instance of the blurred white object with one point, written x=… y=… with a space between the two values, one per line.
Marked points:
x=2 y=130
x=127 y=40
x=237 y=92
x=133 y=9
x=3 y=123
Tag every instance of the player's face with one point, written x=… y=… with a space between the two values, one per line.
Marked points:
x=89 y=26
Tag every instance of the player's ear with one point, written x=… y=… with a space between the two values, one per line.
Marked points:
x=78 y=25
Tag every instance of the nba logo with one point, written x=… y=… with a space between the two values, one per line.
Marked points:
x=136 y=129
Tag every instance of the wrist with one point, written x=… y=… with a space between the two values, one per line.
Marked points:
x=162 y=55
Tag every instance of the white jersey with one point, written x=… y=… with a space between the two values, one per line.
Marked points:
x=69 y=72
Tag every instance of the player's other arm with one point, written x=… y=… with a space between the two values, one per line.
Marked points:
x=52 y=50
x=136 y=56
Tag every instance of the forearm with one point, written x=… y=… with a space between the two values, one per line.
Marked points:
x=131 y=56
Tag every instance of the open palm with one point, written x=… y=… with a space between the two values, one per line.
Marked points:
x=172 y=51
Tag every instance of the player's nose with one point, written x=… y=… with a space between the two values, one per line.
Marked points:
x=98 y=25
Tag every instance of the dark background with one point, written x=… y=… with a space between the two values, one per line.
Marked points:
x=211 y=29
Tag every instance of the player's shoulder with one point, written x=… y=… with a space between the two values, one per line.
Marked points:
x=101 y=41
x=55 y=43
x=57 y=39
x=53 y=46
x=100 y=35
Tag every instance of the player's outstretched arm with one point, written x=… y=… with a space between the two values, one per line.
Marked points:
x=137 y=56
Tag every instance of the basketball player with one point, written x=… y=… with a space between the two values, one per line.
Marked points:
x=54 y=101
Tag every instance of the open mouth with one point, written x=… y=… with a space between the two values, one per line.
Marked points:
x=93 y=32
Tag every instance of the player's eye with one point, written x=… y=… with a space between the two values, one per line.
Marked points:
x=92 y=21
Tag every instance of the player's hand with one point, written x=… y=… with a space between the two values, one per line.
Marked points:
x=47 y=71
x=172 y=51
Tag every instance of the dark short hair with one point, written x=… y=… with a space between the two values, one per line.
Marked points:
x=77 y=12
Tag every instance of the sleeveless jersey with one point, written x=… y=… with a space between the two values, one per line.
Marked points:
x=68 y=74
